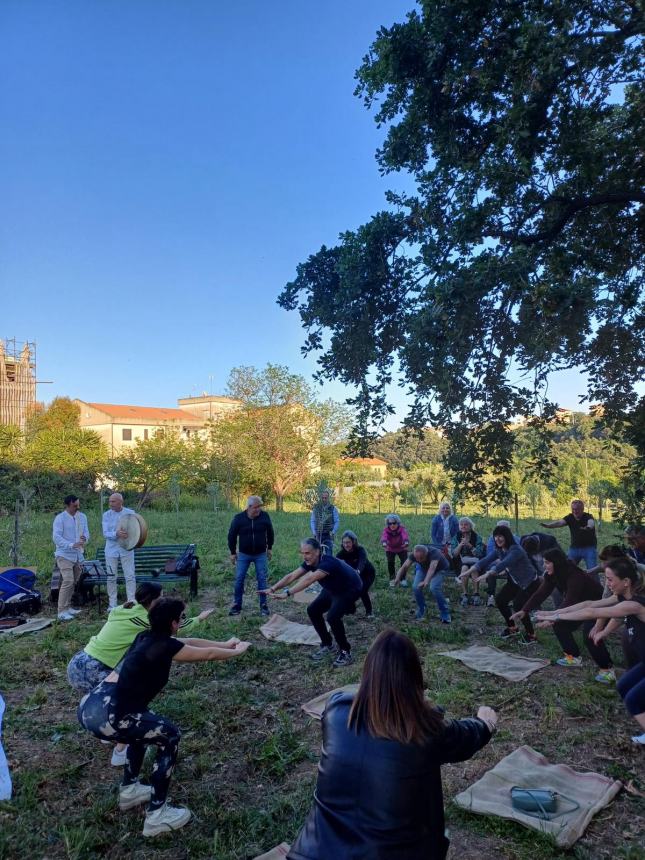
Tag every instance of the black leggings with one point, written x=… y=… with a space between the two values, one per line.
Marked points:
x=519 y=596
x=97 y=714
x=390 y=561
x=564 y=633
x=367 y=576
x=335 y=605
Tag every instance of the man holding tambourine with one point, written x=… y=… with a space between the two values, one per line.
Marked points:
x=115 y=550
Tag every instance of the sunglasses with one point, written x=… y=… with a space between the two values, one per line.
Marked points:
x=392 y=523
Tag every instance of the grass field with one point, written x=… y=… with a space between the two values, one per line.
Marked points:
x=247 y=759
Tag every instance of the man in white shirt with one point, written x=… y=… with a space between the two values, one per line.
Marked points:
x=70 y=535
x=114 y=551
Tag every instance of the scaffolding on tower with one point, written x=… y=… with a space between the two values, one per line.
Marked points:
x=17 y=381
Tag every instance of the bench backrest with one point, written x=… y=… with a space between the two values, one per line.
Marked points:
x=151 y=558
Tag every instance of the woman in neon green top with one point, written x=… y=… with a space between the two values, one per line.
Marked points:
x=90 y=666
x=105 y=650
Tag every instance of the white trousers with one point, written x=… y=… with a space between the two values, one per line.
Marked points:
x=127 y=566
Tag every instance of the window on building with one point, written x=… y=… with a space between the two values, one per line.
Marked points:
x=126 y=434
x=145 y=434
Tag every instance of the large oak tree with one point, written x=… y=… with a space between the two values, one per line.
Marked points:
x=521 y=250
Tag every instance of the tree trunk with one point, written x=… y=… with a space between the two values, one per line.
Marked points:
x=279 y=502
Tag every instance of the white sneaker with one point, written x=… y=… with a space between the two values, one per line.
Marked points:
x=639 y=740
x=119 y=757
x=65 y=616
x=165 y=819
x=404 y=583
x=491 y=601
x=74 y=611
x=134 y=795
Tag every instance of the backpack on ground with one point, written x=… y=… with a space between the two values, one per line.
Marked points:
x=17 y=592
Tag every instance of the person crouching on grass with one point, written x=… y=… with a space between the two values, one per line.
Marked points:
x=118 y=710
x=508 y=559
x=627 y=604
x=341 y=588
x=575 y=585
x=430 y=565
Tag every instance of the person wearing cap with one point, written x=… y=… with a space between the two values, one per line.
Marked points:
x=70 y=534
x=115 y=553
x=395 y=541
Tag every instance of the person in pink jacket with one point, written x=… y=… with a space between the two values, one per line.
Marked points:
x=395 y=541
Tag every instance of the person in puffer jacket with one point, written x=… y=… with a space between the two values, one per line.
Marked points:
x=378 y=794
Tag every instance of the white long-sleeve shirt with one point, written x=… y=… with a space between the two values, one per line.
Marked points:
x=110 y=523
x=67 y=531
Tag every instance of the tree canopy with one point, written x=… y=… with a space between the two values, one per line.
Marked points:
x=520 y=252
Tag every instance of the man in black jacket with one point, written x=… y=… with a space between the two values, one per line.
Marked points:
x=253 y=530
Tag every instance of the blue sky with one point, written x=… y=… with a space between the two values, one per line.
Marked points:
x=164 y=166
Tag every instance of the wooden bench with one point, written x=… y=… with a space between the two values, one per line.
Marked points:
x=149 y=566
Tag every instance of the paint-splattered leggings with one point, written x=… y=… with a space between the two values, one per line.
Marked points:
x=97 y=713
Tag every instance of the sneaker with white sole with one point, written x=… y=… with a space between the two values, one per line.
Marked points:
x=491 y=601
x=606 y=676
x=344 y=659
x=392 y=584
x=65 y=616
x=639 y=740
x=476 y=600
x=73 y=611
x=134 y=795
x=569 y=660
x=323 y=653
x=119 y=757
x=404 y=583
x=165 y=819
x=463 y=600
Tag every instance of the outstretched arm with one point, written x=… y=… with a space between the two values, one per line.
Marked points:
x=627 y=607
x=192 y=654
x=556 y=524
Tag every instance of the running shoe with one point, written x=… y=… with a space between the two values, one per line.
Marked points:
x=569 y=660
x=606 y=676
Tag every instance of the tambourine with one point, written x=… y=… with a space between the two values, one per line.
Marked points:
x=136 y=528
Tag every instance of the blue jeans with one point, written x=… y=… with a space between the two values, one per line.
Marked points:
x=261 y=573
x=436 y=587
x=587 y=554
x=327 y=541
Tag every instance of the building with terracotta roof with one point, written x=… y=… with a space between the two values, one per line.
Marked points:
x=120 y=425
x=374 y=464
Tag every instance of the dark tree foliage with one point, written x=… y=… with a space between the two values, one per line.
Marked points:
x=521 y=122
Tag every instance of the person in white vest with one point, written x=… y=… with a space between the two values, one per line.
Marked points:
x=114 y=551
x=70 y=534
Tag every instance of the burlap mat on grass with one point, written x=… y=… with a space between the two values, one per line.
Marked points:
x=281 y=629
x=277 y=853
x=30 y=627
x=483 y=658
x=526 y=768
x=315 y=707
x=308 y=595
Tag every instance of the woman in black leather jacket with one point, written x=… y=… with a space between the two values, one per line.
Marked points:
x=378 y=795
